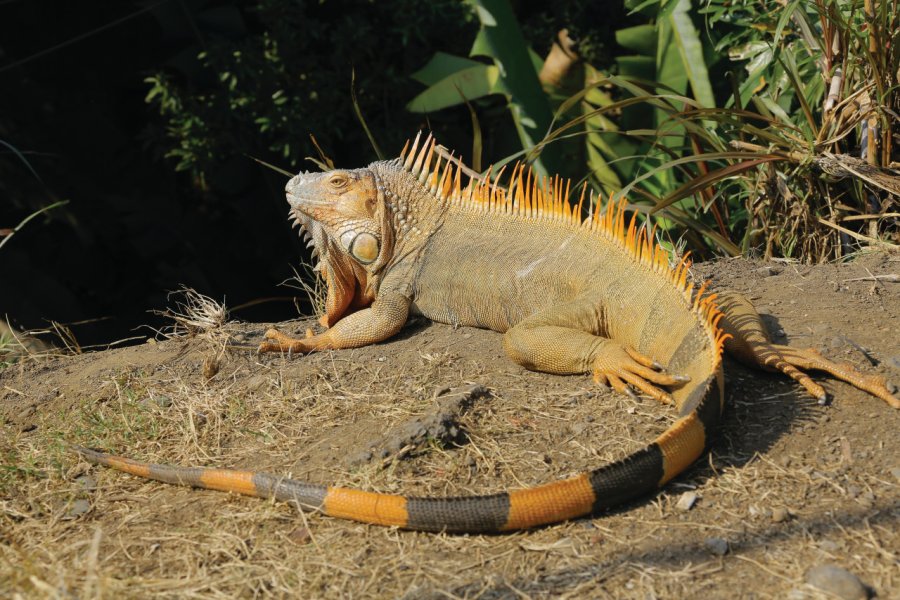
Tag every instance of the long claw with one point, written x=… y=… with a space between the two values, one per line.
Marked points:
x=629 y=372
x=790 y=360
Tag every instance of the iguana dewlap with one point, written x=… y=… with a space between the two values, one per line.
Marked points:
x=570 y=296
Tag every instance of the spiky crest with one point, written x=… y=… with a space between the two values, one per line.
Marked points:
x=547 y=200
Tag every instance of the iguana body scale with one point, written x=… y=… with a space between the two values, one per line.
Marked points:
x=570 y=295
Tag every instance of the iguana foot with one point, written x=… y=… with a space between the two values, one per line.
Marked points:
x=623 y=368
x=790 y=360
x=282 y=342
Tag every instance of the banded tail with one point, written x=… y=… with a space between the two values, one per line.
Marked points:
x=584 y=494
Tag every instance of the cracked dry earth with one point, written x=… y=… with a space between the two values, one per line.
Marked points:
x=789 y=485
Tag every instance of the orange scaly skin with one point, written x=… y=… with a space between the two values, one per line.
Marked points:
x=570 y=296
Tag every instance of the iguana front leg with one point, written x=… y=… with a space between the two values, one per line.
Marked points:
x=751 y=345
x=384 y=318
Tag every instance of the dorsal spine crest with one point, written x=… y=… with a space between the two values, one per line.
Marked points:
x=547 y=199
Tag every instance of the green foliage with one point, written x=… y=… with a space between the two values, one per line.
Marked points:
x=265 y=75
x=453 y=80
x=716 y=119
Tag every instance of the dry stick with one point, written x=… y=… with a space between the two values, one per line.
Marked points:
x=858 y=236
x=873 y=216
x=834 y=90
x=872 y=121
x=890 y=277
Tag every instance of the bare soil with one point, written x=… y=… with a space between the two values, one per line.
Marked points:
x=789 y=485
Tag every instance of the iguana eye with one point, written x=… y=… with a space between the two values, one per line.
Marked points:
x=337 y=181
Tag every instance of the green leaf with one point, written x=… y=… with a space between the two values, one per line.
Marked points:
x=703 y=181
x=467 y=84
x=441 y=66
x=640 y=39
x=690 y=49
x=783 y=20
x=641 y=67
x=503 y=41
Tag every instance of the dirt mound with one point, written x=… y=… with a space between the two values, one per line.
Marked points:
x=790 y=485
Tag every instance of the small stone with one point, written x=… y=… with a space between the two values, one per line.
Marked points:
x=829 y=546
x=162 y=401
x=686 y=501
x=838 y=582
x=780 y=514
x=78 y=508
x=716 y=545
x=86 y=483
x=767 y=271
x=300 y=536
x=210 y=367
x=896 y=473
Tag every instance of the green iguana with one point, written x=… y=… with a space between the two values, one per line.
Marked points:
x=569 y=295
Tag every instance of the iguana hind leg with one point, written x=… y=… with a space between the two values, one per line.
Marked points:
x=564 y=340
x=751 y=345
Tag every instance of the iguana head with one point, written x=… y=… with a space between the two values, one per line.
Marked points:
x=343 y=205
x=343 y=212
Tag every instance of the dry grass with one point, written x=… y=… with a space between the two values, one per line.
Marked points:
x=69 y=529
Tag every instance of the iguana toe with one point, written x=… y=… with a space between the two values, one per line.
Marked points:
x=281 y=342
x=790 y=360
x=626 y=370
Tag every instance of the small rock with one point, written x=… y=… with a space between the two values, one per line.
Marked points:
x=837 y=342
x=686 y=501
x=780 y=514
x=162 y=401
x=768 y=271
x=300 y=535
x=78 y=508
x=829 y=546
x=210 y=367
x=716 y=545
x=86 y=483
x=837 y=582
x=893 y=361
x=26 y=412
x=896 y=473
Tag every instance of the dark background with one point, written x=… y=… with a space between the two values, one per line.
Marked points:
x=160 y=191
